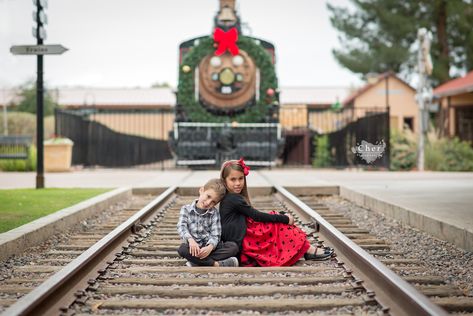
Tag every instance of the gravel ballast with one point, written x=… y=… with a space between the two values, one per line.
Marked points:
x=441 y=258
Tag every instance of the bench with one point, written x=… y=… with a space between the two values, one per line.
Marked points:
x=14 y=146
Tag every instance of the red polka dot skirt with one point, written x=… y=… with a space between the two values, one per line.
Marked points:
x=272 y=244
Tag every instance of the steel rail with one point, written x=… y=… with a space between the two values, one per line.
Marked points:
x=58 y=291
x=391 y=291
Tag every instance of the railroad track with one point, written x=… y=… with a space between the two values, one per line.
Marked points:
x=135 y=269
x=22 y=276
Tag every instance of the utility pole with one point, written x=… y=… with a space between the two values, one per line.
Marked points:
x=424 y=90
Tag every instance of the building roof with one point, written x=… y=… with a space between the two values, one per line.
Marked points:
x=75 y=97
x=8 y=96
x=313 y=95
x=455 y=86
x=158 y=97
x=370 y=85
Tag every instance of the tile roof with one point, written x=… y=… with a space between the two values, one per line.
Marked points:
x=117 y=97
x=114 y=96
x=313 y=95
x=8 y=96
x=455 y=86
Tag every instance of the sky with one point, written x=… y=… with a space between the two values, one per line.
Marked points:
x=134 y=43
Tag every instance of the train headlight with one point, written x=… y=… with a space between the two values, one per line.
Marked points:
x=215 y=61
x=237 y=60
x=227 y=76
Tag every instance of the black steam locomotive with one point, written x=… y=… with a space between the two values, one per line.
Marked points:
x=227 y=98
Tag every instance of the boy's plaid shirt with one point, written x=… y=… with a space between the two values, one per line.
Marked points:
x=204 y=228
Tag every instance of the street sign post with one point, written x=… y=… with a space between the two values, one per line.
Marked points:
x=37 y=49
x=39 y=33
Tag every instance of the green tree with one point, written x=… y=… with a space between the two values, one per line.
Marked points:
x=322 y=157
x=378 y=35
x=27 y=95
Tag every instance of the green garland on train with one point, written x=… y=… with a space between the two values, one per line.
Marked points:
x=253 y=114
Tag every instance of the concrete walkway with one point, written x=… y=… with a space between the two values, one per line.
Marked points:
x=436 y=202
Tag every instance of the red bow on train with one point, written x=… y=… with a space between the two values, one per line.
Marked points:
x=246 y=169
x=226 y=40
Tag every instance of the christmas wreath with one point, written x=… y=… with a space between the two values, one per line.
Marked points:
x=253 y=113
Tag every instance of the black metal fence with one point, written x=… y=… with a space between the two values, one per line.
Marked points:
x=116 y=138
x=363 y=142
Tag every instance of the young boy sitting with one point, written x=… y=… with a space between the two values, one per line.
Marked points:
x=200 y=229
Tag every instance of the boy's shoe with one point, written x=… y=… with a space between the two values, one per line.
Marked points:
x=190 y=264
x=229 y=262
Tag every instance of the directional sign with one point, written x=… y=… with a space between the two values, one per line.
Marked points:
x=37 y=49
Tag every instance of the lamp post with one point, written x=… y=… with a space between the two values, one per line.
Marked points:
x=39 y=49
x=41 y=19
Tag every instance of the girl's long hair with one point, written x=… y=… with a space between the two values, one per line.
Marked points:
x=229 y=165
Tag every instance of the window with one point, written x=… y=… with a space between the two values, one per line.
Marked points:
x=408 y=122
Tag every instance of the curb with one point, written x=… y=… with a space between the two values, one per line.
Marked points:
x=453 y=234
x=31 y=234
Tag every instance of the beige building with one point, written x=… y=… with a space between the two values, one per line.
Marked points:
x=455 y=115
x=300 y=106
x=309 y=107
x=386 y=90
x=155 y=123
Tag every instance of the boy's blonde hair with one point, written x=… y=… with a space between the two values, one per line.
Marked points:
x=216 y=185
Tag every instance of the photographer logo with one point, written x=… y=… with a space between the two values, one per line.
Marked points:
x=369 y=152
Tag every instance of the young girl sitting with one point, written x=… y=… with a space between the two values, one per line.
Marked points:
x=265 y=239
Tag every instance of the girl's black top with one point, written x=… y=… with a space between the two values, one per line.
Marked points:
x=233 y=212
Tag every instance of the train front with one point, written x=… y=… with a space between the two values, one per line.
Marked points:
x=227 y=98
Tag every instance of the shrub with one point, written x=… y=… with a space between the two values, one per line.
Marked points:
x=448 y=154
x=28 y=164
x=322 y=152
x=403 y=150
x=22 y=123
x=441 y=154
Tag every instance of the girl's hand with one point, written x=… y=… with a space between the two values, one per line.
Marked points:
x=291 y=219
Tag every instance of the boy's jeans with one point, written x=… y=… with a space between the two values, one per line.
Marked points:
x=223 y=250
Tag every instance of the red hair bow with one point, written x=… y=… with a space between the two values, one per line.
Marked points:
x=226 y=40
x=246 y=169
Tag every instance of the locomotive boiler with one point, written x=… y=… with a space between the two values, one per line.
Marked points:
x=227 y=97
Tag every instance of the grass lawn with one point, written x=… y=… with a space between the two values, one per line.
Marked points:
x=21 y=206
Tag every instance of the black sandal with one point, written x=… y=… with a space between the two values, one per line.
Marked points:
x=328 y=252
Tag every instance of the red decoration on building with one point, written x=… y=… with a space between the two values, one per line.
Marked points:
x=226 y=40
